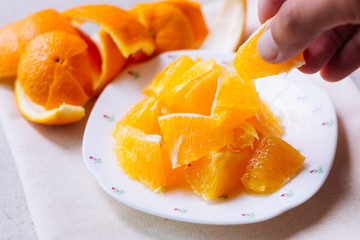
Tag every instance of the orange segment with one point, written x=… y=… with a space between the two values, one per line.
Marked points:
x=218 y=173
x=15 y=36
x=266 y=122
x=65 y=70
x=191 y=136
x=170 y=73
x=274 y=162
x=112 y=60
x=170 y=27
x=249 y=65
x=141 y=157
x=192 y=11
x=244 y=136
x=64 y=114
x=143 y=115
x=184 y=93
x=126 y=31
x=235 y=100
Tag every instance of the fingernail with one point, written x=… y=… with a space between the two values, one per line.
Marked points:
x=266 y=46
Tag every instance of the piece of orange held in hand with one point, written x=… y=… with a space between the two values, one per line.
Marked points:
x=126 y=31
x=249 y=65
x=15 y=36
x=56 y=69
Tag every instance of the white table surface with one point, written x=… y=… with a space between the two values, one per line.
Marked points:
x=15 y=219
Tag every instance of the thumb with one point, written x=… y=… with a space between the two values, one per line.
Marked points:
x=299 y=22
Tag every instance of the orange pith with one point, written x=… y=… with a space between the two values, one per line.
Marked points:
x=112 y=60
x=249 y=65
x=126 y=31
x=273 y=163
x=15 y=36
x=66 y=70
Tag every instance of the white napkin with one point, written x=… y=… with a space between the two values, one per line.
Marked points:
x=66 y=202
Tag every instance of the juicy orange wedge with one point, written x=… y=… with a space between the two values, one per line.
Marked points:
x=142 y=157
x=218 y=174
x=63 y=114
x=192 y=136
x=143 y=115
x=273 y=163
x=14 y=37
x=249 y=65
x=235 y=100
x=127 y=32
x=55 y=69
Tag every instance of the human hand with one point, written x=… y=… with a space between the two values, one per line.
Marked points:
x=328 y=32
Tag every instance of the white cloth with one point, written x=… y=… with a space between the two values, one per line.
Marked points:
x=66 y=202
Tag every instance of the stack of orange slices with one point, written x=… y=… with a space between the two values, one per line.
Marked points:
x=206 y=124
x=58 y=68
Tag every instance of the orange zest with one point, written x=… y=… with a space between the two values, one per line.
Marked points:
x=127 y=32
x=66 y=70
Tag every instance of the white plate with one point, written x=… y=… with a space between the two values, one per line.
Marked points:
x=310 y=125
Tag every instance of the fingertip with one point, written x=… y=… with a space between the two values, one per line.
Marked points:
x=267 y=47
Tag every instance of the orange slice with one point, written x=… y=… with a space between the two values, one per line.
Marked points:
x=235 y=100
x=191 y=136
x=274 y=162
x=249 y=65
x=14 y=37
x=62 y=115
x=143 y=115
x=142 y=157
x=56 y=69
x=218 y=174
x=266 y=122
x=126 y=31
x=244 y=136
x=170 y=73
x=186 y=92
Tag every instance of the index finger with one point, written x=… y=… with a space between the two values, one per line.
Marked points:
x=268 y=8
